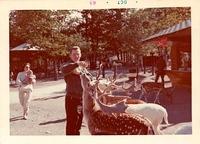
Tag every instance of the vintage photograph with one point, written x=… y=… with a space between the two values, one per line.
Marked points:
x=124 y=71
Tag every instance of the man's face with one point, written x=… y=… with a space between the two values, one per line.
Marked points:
x=75 y=55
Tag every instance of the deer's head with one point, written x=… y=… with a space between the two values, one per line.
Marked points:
x=89 y=92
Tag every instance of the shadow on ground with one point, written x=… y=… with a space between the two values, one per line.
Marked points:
x=48 y=98
x=17 y=118
x=53 y=122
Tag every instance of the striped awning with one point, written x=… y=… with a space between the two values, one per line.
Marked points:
x=178 y=27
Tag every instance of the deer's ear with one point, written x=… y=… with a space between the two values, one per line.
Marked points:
x=92 y=83
x=124 y=100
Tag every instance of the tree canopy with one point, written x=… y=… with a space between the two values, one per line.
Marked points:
x=95 y=31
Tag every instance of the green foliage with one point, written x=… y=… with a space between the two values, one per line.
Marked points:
x=153 y=20
x=95 y=31
x=102 y=28
x=42 y=28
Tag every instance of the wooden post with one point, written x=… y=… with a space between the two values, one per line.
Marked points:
x=55 y=70
x=46 y=67
x=137 y=66
x=144 y=64
x=174 y=56
x=152 y=62
x=103 y=70
x=115 y=70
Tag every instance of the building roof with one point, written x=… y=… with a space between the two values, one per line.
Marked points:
x=178 y=27
x=26 y=47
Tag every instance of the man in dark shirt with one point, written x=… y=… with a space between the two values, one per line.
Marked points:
x=160 y=69
x=73 y=99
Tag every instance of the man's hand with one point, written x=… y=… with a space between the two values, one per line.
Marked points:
x=77 y=71
x=83 y=64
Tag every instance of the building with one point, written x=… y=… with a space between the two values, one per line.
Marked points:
x=180 y=37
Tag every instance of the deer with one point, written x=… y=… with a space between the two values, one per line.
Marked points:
x=145 y=87
x=105 y=90
x=112 y=99
x=154 y=112
x=148 y=87
x=100 y=122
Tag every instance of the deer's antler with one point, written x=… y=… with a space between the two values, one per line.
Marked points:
x=130 y=87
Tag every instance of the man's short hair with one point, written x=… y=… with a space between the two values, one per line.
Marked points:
x=74 y=48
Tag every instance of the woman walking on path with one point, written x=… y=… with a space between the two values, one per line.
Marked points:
x=25 y=81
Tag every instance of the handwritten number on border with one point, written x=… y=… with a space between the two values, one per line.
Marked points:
x=92 y=2
x=122 y=2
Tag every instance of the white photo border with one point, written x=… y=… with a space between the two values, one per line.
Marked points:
x=7 y=5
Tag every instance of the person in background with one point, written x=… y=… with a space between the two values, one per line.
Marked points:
x=11 y=77
x=73 y=99
x=160 y=69
x=25 y=81
x=185 y=61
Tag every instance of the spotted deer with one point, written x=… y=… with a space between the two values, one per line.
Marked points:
x=100 y=122
x=109 y=99
x=154 y=112
x=105 y=90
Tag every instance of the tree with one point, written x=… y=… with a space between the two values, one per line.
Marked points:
x=43 y=28
x=101 y=28
x=98 y=32
x=50 y=30
x=153 y=20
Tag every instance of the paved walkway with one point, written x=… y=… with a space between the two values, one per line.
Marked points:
x=41 y=89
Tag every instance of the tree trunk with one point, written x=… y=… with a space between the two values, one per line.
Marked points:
x=46 y=67
x=55 y=70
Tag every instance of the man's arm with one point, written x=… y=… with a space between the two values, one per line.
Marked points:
x=69 y=67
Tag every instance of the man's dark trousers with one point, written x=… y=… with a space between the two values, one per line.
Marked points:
x=74 y=114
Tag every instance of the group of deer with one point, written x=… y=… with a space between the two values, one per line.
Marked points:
x=108 y=114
